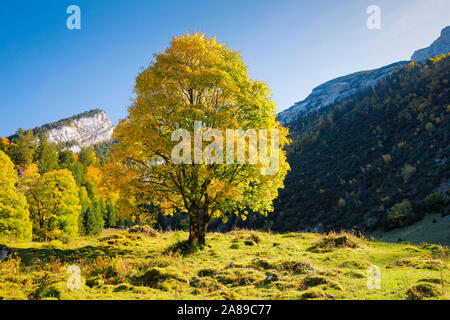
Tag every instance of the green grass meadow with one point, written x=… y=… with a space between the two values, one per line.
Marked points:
x=237 y=265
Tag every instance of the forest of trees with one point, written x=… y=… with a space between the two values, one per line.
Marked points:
x=53 y=194
x=377 y=159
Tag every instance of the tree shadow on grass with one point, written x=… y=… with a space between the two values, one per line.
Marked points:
x=29 y=256
x=184 y=248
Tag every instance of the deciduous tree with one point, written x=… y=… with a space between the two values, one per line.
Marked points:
x=54 y=204
x=14 y=215
x=195 y=79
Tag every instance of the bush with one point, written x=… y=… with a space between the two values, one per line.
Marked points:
x=407 y=172
x=334 y=240
x=401 y=215
x=436 y=201
x=422 y=290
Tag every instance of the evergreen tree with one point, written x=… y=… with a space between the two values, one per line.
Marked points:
x=66 y=159
x=93 y=219
x=46 y=155
x=87 y=156
x=79 y=173
x=21 y=150
x=85 y=203
x=110 y=220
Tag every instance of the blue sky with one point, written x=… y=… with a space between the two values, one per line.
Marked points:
x=48 y=72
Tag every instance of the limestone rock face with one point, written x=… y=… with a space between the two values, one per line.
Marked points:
x=440 y=46
x=82 y=131
x=337 y=89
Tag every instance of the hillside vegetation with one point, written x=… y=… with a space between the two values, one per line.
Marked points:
x=236 y=265
x=378 y=159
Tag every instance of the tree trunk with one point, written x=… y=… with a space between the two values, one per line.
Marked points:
x=198 y=225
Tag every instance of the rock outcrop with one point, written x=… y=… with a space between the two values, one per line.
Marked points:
x=440 y=46
x=337 y=89
x=80 y=131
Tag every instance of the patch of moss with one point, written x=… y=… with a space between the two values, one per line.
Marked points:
x=262 y=264
x=296 y=267
x=240 y=277
x=428 y=280
x=333 y=241
x=155 y=276
x=312 y=281
x=313 y=293
x=422 y=291
x=354 y=264
x=229 y=295
x=124 y=287
x=355 y=274
x=208 y=272
x=421 y=262
x=96 y=281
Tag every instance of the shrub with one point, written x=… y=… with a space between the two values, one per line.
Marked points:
x=105 y=269
x=407 y=172
x=401 y=214
x=422 y=290
x=334 y=240
x=436 y=201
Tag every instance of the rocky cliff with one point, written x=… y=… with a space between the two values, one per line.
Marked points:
x=439 y=46
x=336 y=90
x=79 y=131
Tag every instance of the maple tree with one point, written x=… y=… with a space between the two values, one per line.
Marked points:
x=54 y=203
x=195 y=79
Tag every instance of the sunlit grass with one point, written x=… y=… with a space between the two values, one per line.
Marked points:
x=237 y=265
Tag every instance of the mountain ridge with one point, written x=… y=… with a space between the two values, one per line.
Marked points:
x=79 y=131
x=439 y=46
x=337 y=89
x=342 y=87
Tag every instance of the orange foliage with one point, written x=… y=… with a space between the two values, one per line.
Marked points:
x=5 y=142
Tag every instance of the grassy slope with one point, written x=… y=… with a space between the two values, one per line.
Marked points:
x=433 y=228
x=120 y=265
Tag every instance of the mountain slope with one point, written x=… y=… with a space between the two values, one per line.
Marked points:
x=337 y=89
x=353 y=161
x=439 y=46
x=82 y=130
